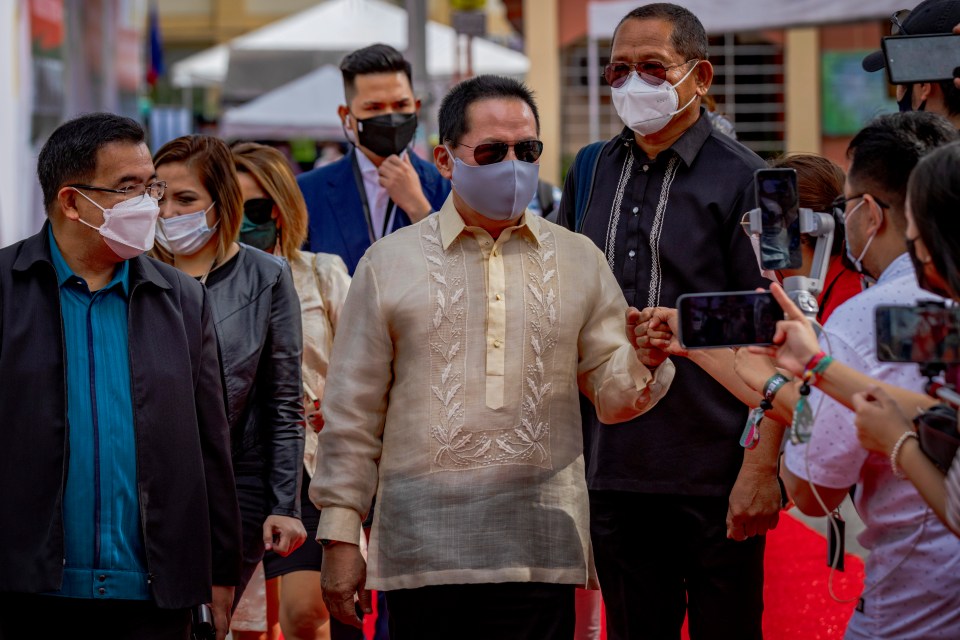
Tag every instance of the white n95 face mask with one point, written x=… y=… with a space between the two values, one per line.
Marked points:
x=129 y=227
x=647 y=108
x=185 y=235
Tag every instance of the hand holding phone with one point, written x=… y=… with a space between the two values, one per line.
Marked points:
x=727 y=319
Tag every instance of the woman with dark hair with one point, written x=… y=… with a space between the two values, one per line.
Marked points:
x=257 y=317
x=275 y=220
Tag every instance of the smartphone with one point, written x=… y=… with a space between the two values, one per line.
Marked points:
x=928 y=333
x=734 y=319
x=926 y=58
x=780 y=213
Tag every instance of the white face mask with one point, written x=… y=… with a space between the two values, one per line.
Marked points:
x=858 y=262
x=646 y=108
x=185 y=235
x=129 y=227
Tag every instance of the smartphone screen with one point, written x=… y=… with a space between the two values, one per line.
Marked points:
x=734 y=319
x=780 y=213
x=927 y=58
x=924 y=334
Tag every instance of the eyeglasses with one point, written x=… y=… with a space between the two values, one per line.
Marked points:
x=655 y=73
x=155 y=189
x=493 y=152
x=839 y=205
x=897 y=20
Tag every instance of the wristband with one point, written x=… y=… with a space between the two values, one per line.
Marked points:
x=770 y=388
x=895 y=453
x=751 y=430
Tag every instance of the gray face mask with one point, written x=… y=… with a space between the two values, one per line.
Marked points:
x=499 y=191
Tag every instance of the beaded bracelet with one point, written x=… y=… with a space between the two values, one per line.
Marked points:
x=895 y=453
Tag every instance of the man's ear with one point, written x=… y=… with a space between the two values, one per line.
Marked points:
x=67 y=201
x=418 y=107
x=443 y=160
x=704 y=77
x=343 y=111
x=924 y=91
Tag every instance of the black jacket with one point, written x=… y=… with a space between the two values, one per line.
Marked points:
x=187 y=495
x=257 y=314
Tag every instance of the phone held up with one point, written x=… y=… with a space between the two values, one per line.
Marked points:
x=925 y=334
x=731 y=319
x=779 y=203
x=922 y=58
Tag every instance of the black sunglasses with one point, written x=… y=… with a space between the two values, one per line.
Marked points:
x=616 y=73
x=492 y=152
x=896 y=22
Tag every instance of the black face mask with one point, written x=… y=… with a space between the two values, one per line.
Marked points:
x=906 y=102
x=387 y=135
x=918 y=266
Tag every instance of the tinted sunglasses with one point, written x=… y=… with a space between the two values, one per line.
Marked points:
x=655 y=73
x=258 y=210
x=492 y=152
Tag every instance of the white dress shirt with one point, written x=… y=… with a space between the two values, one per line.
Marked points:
x=912 y=585
x=377 y=196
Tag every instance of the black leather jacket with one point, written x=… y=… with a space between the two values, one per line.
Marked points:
x=257 y=314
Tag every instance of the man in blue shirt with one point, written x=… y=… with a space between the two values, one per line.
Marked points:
x=118 y=472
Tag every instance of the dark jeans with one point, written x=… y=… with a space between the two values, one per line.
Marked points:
x=507 y=611
x=659 y=556
x=32 y=616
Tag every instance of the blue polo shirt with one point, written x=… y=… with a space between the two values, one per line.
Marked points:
x=103 y=541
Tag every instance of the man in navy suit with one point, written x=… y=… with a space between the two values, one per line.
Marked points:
x=380 y=185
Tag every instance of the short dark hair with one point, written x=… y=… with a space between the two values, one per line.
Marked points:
x=883 y=154
x=377 y=58
x=70 y=153
x=453 y=109
x=934 y=192
x=689 y=37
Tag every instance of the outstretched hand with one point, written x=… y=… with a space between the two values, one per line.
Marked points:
x=795 y=341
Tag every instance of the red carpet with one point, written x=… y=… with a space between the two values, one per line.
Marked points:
x=797 y=604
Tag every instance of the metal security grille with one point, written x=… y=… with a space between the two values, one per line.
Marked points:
x=748 y=88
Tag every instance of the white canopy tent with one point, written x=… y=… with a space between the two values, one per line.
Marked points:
x=730 y=16
x=340 y=26
x=304 y=108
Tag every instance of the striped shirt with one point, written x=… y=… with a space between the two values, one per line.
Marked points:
x=101 y=511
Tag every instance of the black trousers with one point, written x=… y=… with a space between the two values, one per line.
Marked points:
x=25 y=616
x=660 y=556
x=507 y=611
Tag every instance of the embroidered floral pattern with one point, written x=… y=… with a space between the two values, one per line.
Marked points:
x=454 y=445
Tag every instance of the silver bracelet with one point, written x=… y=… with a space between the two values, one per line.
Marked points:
x=895 y=453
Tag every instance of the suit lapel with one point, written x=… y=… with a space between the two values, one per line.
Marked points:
x=347 y=209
